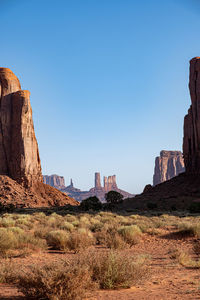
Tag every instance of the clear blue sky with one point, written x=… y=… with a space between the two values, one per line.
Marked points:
x=108 y=81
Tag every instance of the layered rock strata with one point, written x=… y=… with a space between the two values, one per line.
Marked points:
x=168 y=165
x=55 y=181
x=19 y=155
x=20 y=167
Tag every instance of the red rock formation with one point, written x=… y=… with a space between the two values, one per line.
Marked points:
x=97 y=181
x=97 y=191
x=19 y=153
x=55 y=181
x=191 y=141
x=105 y=183
x=168 y=165
x=20 y=168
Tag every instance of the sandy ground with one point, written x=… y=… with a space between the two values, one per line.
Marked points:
x=167 y=278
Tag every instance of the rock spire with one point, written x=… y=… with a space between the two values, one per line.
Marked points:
x=19 y=155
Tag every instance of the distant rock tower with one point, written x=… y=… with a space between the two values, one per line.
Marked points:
x=71 y=183
x=97 y=181
x=105 y=183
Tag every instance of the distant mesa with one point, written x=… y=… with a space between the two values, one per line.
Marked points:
x=20 y=168
x=168 y=165
x=97 y=190
x=54 y=180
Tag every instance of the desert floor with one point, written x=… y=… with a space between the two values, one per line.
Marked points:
x=167 y=278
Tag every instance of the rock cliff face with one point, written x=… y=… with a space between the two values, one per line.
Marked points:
x=191 y=141
x=183 y=190
x=168 y=165
x=20 y=167
x=19 y=155
x=97 y=190
x=55 y=181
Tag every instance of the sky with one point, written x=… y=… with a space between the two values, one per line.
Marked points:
x=108 y=81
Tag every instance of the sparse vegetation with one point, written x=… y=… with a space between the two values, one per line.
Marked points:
x=73 y=279
x=99 y=248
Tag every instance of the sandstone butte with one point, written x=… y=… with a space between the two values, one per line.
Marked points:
x=168 y=165
x=180 y=191
x=21 y=180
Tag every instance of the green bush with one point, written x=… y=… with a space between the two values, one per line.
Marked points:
x=91 y=203
x=113 y=197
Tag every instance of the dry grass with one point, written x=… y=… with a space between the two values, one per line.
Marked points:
x=14 y=238
x=73 y=279
x=58 y=240
x=113 y=270
x=60 y=281
x=130 y=234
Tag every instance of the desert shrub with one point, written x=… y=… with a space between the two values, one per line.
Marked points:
x=91 y=203
x=41 y=231
x=80 y=240
x=16 y=230
x=58 y=240
x=76 y=223
x=5 y=269
x=186 y=260
x=96 y=225
x=7 y=221
x=24 y=223
x=190 y=229
x=111 y=239
x=84 y=221
x=29 y=243
x=8 y=241
x=40 y=217
x=57 y=281
x=70 y=218
x=67 y=226
x=14 y=238
x=113 y=270
x=130 y=234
